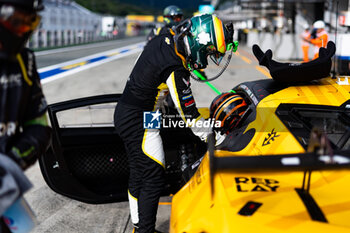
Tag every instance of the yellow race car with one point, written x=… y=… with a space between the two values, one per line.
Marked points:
x=285 y=168
x=268 y=177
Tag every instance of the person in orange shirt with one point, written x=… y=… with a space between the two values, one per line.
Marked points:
x=305 y=45
x=321 y=37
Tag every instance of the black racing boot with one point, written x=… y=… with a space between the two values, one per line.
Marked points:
x=136 y=230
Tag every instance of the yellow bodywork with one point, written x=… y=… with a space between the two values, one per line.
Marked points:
x=195 y=208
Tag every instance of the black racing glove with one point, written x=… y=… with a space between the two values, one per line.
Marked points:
x=23 y=157
x=30 y=145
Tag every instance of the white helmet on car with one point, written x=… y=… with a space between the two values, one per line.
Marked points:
x=319 y=24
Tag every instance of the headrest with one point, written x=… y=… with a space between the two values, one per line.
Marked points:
x=297 y=72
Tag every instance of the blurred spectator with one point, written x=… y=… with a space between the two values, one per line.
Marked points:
x=319 y=36
x=305 y=45
x=172 y=17
x=24 y=130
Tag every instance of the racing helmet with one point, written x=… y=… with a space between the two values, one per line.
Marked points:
x=228 y=108
x=172 y=15
x=18 y=19
x=207 y=36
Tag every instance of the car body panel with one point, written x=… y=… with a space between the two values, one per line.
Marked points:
x=202 y=206
x=196 y=209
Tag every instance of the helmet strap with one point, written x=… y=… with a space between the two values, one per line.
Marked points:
x=187 y=49
x=181 y=31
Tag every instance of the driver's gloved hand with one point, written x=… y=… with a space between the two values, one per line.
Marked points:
x=219 y=138
x=202 y=132
x=24 y=158
x=17 y=159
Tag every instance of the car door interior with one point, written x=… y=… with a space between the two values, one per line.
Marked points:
x=86 y=160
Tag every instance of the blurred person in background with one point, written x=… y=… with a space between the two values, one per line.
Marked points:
x=172 y=16
x=305 y=45
x=24 y=131
x=319 y=36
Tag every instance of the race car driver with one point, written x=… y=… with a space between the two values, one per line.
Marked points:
x=172 y=16
x=163 y=67
x=24 y=132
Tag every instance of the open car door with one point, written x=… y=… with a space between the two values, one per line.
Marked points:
x=86 y=160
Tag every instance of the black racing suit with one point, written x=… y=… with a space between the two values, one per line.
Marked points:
x=24 y=134
x=160 y=63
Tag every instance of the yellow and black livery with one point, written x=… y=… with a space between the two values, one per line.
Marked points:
x=267 y=175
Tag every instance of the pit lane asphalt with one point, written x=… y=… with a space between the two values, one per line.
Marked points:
x=55 y=56
x=56 y=213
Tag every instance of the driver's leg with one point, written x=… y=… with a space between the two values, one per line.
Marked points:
x=146 y=163
x=152 y=179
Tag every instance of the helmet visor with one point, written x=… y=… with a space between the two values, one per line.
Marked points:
x=174 y=18
x=17 y=20
x=177 y=18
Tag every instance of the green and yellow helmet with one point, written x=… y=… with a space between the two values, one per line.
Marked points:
x=207 y=36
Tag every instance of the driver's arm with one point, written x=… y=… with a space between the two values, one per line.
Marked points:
x=180 y=90
x=32 y=142
x=320 y=41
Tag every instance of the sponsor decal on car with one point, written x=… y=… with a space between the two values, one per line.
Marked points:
x=270 y=137
x=256 y=184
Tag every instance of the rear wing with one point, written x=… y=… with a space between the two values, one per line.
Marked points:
x=319 y=157
x=280 y=163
